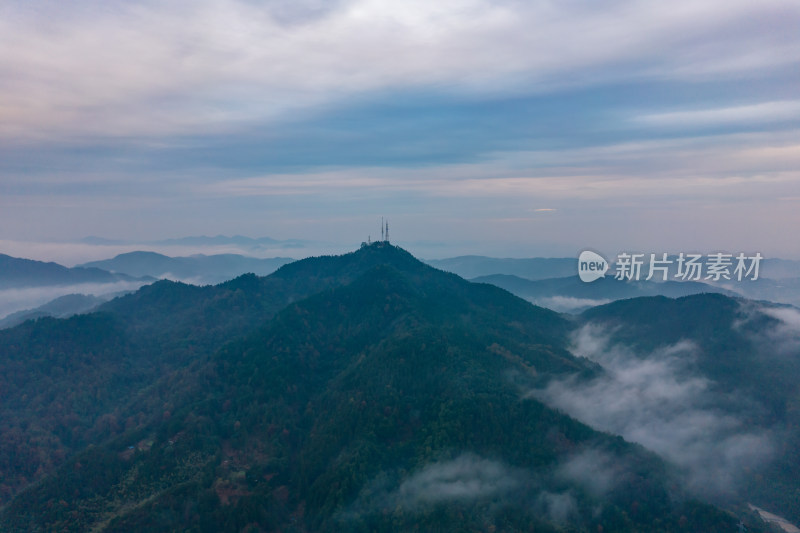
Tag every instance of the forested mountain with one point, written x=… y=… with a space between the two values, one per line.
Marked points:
x=363 y=392
x=727 y=374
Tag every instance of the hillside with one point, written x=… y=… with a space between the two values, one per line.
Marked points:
x=363 y=392
x=707 y=381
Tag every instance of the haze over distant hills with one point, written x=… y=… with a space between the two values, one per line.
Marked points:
x=536 y=268
x=533 y=281
x=570 y=294
x=17 y=273
x=556 y=285
x=29 y=285
x=61 y=307
x=370 y=392
x=34 y=288
x=205 y=240
x=198 y=269
x=473 y=266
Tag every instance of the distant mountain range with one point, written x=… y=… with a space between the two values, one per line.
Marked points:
x=473 y=266
x=775 y=268
x=570 y=294
x=782 y=289
x=371 y=392
x=562 y=293
x=17 y=273
x=557 y=286
x=201 y=269
x=537 y=268
x=549 y=282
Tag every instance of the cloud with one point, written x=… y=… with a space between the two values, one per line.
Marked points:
x=560 y=508
x=470 y=479
x=12 y=300
x=655 y=400
x=780 y=339
x=161 y=68
x=736 y=166
x=467 y=478
x=596 y=471
x=789 y=316
x=276 y=113
x=568 y=304
x=786 y=110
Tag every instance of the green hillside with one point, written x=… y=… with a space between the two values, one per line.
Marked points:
x=365 y=392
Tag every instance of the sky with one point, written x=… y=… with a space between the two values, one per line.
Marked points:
x=507 y=127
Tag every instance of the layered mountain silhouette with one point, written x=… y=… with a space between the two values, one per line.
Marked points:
x=18 y=273
x=570 y=294
x=206 y=240
x=61 y=307
x=553 y=283
x=200 y=269
x=362 y=392
x=536 y=268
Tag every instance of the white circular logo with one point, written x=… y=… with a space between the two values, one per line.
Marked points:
x=591 y=266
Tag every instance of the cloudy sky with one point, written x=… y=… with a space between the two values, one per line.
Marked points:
x=503 y=127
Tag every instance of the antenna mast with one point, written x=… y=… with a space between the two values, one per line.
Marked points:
x=387 y=231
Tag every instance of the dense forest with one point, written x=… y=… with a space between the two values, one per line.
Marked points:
x=363 y=392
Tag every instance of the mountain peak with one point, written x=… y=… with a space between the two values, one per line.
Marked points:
x=349 y=266
x=385 y=249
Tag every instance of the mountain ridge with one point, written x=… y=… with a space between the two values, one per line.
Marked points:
x=16 y=272
x=314 y=398
x=542 y=292
x=199 y=268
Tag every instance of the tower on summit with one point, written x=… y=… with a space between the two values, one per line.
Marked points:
x=384 y=230
x=384 y=234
